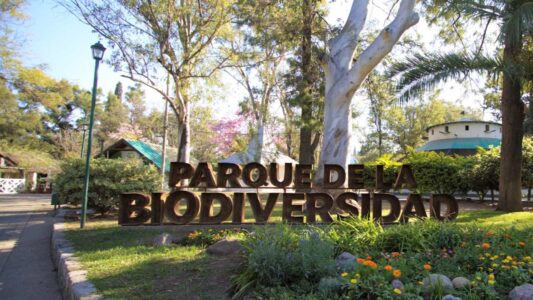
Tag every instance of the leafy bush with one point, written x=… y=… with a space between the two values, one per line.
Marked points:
x=281 y=256
x=354 y=235
x=108 y=179
x=436 y=172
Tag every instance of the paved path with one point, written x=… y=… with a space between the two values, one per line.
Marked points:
x=26 y=268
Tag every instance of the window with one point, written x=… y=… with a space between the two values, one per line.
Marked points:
x=467 y=127
x=432 y=131
x=446 y=129
x=487 y=127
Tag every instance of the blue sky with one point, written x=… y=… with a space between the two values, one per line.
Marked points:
x=54 y=37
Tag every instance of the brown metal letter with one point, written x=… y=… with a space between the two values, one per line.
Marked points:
x=395 y=208
x=322 y=210
x=223 y=177
x=261 y=215
x=157 y=208
x=203 y=174
x=247 y=175
x=341 y=176
x=405 y=178
x=131 y=203
x=343 y=202
x=238 y=208
x=178 y=172
x=287 y=175
x=380 y=179
x=289 y=207
x=356 y=176
x=365 y=206
x=173 y=199
x=435 y=209
x=207 y=202
x=413 y=200
x=302 y=176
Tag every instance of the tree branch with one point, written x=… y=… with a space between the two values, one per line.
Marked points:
x=380 y=47
x=342 y=47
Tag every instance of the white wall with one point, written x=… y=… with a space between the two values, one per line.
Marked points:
x=458 y=130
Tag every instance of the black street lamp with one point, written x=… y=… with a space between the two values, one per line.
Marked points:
x=98 y=53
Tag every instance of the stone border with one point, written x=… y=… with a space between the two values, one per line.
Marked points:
x=71 y=276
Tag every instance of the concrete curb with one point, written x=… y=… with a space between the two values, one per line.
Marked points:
x=72 y=278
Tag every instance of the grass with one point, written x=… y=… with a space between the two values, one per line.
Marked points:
x=122 y=265
x=491 y=218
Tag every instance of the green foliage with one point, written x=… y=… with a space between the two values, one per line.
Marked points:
x=281 y=256
x=108 y=179
x=436 y=172
x=354 y=235
x=495 y=260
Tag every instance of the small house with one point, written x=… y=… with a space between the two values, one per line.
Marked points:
x=149 y=153
x=462 y=137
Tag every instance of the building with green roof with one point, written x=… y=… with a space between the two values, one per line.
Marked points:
x=149 y=153
x=462 y=137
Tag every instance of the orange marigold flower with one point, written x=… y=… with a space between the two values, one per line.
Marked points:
x=388 y=268
x=369 y=257
x=397 y=273
x=427 y=266
x=522 y=244
x=395 y=254
x=360 y=260
x=485 y=246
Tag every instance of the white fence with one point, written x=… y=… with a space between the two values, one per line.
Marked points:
x=12 y=185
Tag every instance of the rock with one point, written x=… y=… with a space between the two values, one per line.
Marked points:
x=522 y=292
x=460 y=282
x=345 y=262
x=161 y=240
x=450 y=297
x=397 y=284
x=225 y=247
x=434 y=280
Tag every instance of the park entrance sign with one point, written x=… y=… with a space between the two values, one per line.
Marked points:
x=197 y=192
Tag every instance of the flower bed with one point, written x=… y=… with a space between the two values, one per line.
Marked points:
x=357 y=259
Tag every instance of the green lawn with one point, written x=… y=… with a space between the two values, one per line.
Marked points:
x=122 y=264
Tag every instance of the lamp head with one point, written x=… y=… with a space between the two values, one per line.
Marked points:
x=98 y=51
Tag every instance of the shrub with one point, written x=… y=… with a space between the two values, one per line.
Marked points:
x=281 y=256
x=436 y=172
x=108 y=179
x=354 y=235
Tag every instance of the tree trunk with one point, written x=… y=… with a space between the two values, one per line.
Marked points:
x=185 y=137
x=345 y=74
x=529 y=193
x=513 y=119
x=306 y=150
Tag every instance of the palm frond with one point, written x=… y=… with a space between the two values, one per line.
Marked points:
x=519 y=22
x=423 y=72
x=480 y=9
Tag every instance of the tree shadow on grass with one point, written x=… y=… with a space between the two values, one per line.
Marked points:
x=121 y=268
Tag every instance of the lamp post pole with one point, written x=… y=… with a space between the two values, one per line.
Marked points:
x=84 y=129
x=98 y=53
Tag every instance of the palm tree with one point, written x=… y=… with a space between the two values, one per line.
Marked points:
x=424 y=71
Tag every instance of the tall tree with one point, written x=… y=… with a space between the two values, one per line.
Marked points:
x=424 y=71
x=310 y=84
x=119 y=90
x=151 y=39
x=259 y=49
x=345 y=72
